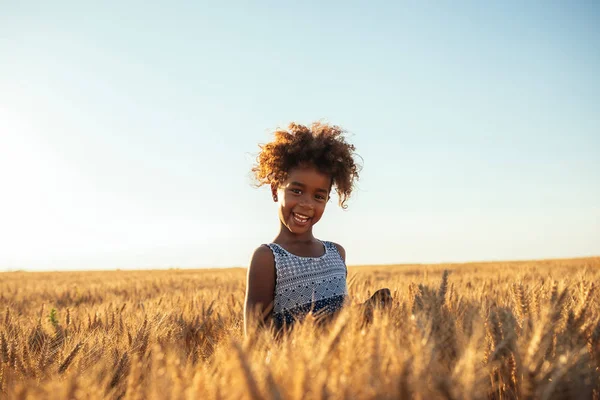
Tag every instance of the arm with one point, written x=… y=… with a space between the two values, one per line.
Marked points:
x=342 y=252
x=381 y=298
x=260 y=288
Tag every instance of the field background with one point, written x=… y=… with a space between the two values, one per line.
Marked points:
x=484 y=330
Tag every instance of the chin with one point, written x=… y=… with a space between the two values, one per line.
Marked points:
x=295 y=229
x=298 y=229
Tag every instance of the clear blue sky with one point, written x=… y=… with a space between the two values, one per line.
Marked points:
x=127 y=131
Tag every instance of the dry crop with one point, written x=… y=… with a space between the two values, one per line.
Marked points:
x=480 y=330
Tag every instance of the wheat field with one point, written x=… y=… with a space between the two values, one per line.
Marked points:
x=514 y=330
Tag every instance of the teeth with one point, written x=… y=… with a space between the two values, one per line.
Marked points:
x=300 y=217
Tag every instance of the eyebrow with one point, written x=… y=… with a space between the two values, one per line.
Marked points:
x=303 y=186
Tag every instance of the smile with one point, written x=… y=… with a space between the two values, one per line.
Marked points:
x=300 y=219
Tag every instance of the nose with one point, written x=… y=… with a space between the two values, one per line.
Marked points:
x=307 y=202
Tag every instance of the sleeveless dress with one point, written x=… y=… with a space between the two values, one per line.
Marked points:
x=307 y=284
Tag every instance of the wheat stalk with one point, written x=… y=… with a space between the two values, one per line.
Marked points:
x=247 y=372
x=443 y=288
x=3 y=347
x=121 y=370
x=69 y=359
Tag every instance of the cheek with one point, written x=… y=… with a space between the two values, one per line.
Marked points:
x=285 y=205
x=320 y=210
x=289 y=200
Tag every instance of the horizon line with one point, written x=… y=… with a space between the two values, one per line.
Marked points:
x=141 y=269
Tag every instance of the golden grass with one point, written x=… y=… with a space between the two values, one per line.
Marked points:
x=485 y=330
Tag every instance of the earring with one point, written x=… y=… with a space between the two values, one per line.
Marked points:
x=274 y=198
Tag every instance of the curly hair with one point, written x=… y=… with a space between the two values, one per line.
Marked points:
x=322 y=146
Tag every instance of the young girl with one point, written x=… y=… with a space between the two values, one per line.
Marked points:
x=298 y=273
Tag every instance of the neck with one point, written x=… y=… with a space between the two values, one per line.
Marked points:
x=285 y=235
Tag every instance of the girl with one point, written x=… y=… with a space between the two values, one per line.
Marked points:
x=298 y=273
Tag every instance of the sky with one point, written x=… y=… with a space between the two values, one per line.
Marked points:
x=128 y=129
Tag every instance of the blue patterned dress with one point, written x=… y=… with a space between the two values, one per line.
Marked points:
x=305 y=284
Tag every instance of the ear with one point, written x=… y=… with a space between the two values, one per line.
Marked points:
x=274 y=191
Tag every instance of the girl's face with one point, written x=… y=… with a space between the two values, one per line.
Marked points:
x=302 y=198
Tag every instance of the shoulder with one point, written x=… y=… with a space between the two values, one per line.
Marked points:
x=262 y=257
x=260 y=286
x=340 y=250
x=262 y=250
x=261 y=271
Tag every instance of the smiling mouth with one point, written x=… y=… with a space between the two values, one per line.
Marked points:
x=300 y=219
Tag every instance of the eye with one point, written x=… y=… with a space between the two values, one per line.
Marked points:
x=297 y=191
x=320 y=197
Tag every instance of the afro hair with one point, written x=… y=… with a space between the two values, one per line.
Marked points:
x=322 y=146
